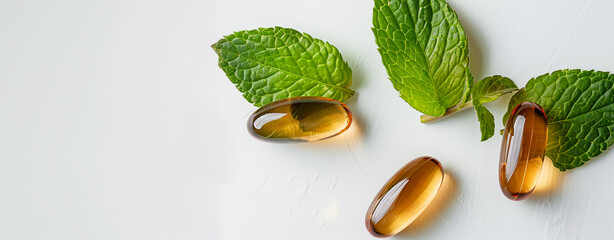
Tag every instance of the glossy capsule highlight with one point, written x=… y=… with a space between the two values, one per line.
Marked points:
x=522 y=150
x=404 y=197
x=300 y=119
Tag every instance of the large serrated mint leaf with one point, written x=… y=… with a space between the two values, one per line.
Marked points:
x=424 y=49
x=270 y=64
x=488 y=90
x=579 y=106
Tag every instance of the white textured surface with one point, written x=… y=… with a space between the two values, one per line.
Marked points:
x=117 y=124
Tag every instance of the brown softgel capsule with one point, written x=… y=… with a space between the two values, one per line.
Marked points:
x=300 y=119
x=404 y=197
x=522 y=150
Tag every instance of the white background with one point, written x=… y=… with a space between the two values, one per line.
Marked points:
x=116 y=123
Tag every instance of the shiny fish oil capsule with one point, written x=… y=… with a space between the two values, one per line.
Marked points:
x=300 y=119
x=404 y=197
x=522 y=150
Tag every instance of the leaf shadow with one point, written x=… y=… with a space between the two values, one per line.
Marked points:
x=607 y=152
x=358 y=78
x=476 y=44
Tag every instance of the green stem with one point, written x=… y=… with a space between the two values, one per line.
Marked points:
x=449 y=111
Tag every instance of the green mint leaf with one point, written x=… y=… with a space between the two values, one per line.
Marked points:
x=487 y=120
x=424 y=49
x=491 y=88
x=579 y=106
x=488 y=90
x=270 y=64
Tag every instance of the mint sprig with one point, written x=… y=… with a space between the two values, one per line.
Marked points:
x=270 y=64
x=425 y=51
x=579 y=106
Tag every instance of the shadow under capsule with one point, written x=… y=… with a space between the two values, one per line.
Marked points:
x=549 y=183
x=357 y=116
x=440 y=203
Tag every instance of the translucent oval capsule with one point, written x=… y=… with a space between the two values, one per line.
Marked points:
x=404 y=197
x=523 y=150
x=300 y=119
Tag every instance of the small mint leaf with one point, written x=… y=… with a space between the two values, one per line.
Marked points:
x=487 y=120
x=493 y=87
x=488 y=90
x=270 y=64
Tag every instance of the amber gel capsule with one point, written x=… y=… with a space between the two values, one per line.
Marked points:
x=522 y=150
x=404 y=197
x=300 y=119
